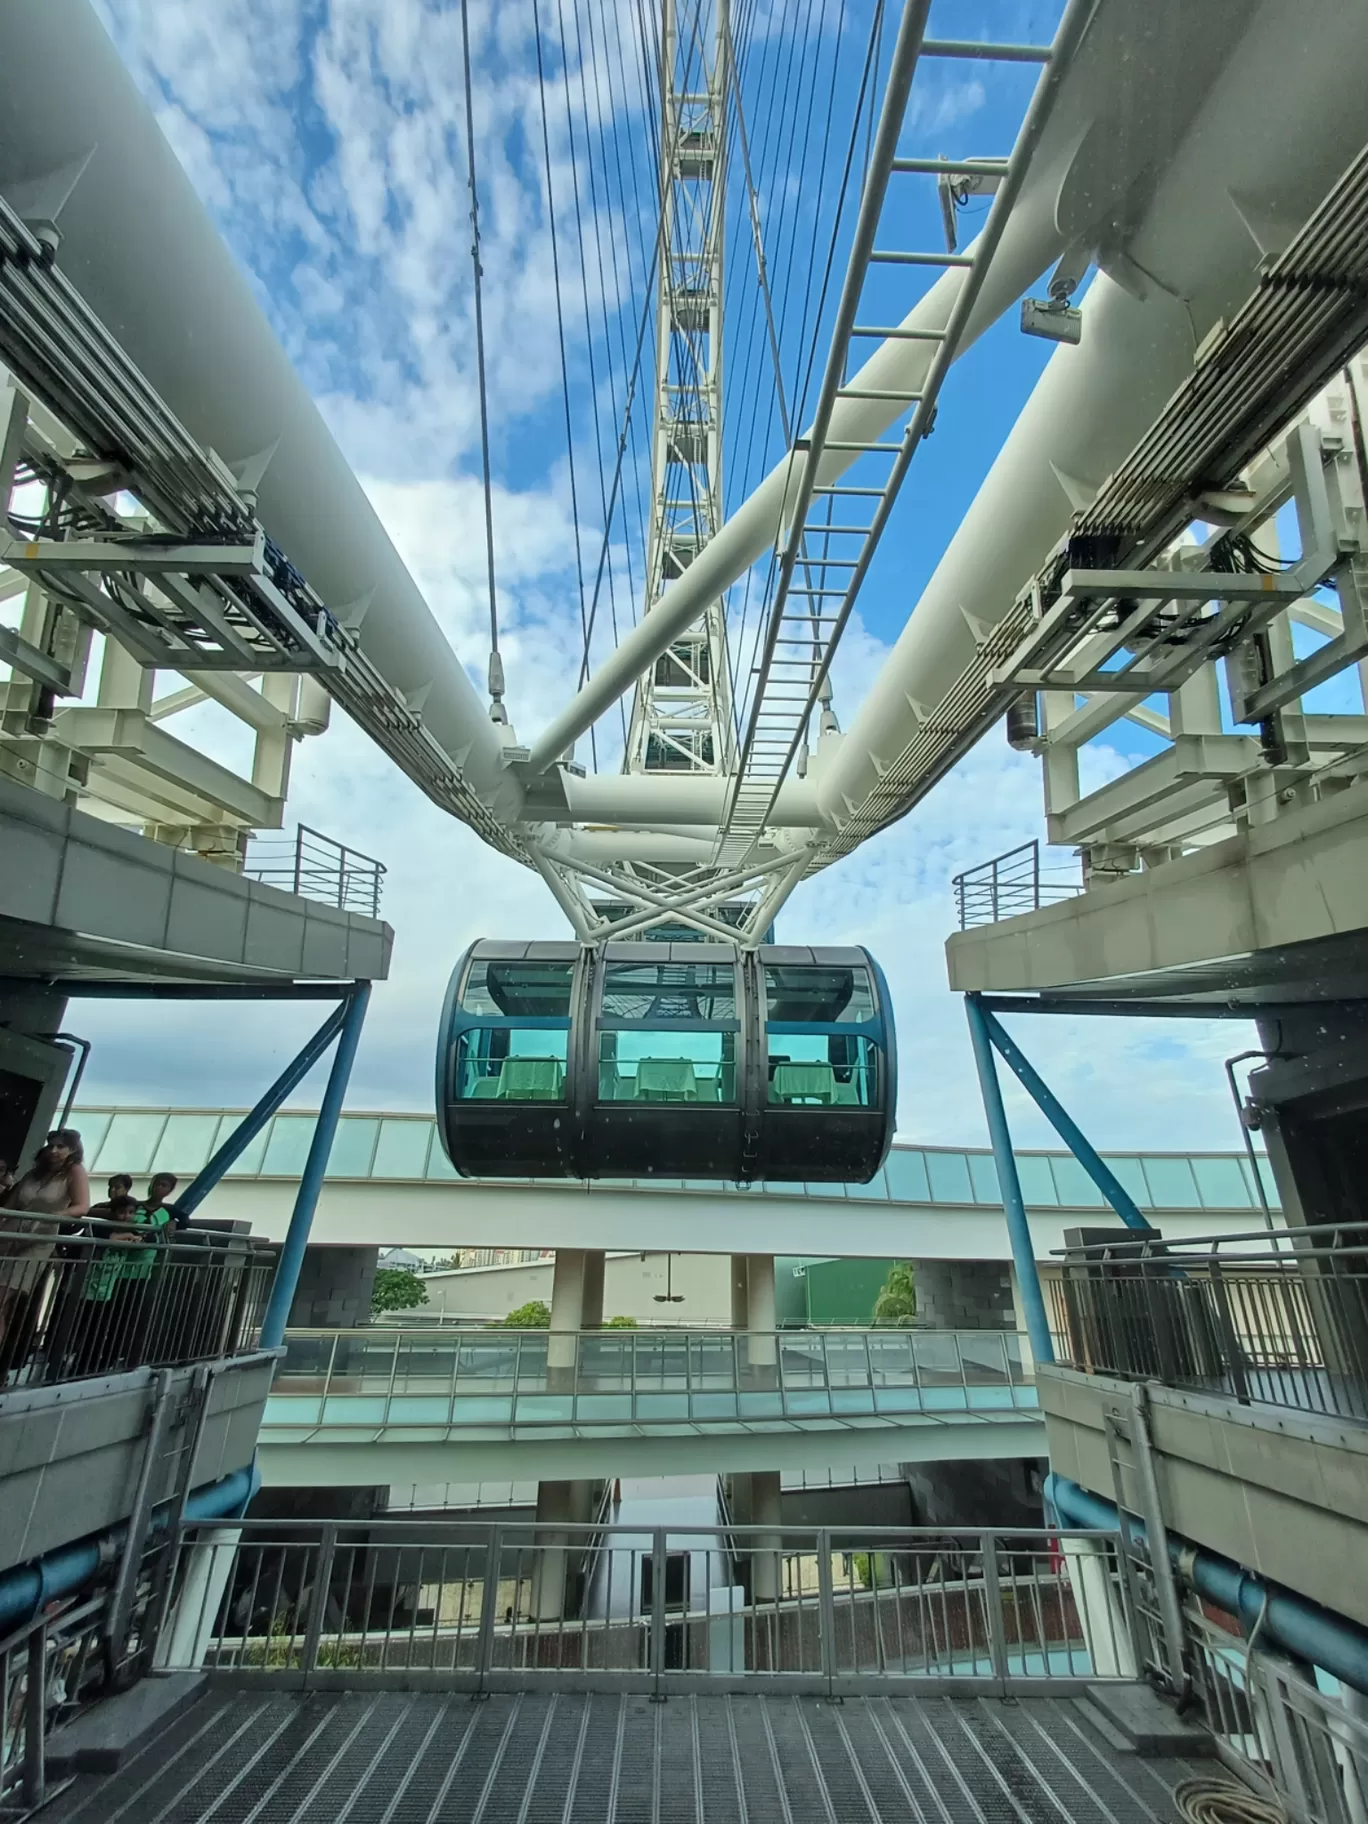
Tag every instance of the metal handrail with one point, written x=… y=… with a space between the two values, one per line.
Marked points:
x=1006 y=886
x=83 y=1305
x=492 y=1606
x=318 y=867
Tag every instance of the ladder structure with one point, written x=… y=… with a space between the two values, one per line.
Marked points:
x=847 y=484
x=682 y=712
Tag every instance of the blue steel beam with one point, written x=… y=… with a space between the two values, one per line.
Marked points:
x=251 y=1124
x=1061 y=1121
x=1009 y=1183
x=352 y=1016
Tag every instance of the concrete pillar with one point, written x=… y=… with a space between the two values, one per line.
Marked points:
x=567 y=1313
x=766 y=1511
x=185 y=1640
x=740 y=1302
x=760 y=1310
x=591 y=1310
x=562 y=1507
x=1111 y=1650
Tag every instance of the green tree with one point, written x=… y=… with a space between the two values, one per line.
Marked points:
x=396 y=1289
x=621 y=1323
x=897 y=1302
x=534 y=1315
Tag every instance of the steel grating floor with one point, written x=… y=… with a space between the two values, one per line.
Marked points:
x=397 y=1758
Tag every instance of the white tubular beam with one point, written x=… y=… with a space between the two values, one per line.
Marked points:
x=80 y=144
x=662 y=798
x=1134 y=84
x=664 y=849
x=1232 y=192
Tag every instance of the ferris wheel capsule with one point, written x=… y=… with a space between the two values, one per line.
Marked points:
x=670 y=1060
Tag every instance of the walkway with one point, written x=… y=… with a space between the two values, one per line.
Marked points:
x=377 y=1405
x=402 y=1758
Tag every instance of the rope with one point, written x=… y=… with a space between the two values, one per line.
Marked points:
x=496 y=678
x=1209 y=1801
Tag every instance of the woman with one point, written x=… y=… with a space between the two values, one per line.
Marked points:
x=52 y=1193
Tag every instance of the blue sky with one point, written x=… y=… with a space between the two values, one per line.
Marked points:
x=326 y=137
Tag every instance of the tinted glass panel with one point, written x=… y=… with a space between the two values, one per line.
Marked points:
x=130 y=1143
x=353 y=1147
x=186 y=1143
x=1037 y=1183
x=1132 y=1176
x=671 y=1066
x=905 y=1171
x=705 y=992
x=527 y=990
x=402 y=1149
x=1076 y=1190
x=92 y=1125
x=818 y=993
x=1172 y=1185
x=1221 y=1183
x=288 y=1146
x=949 y=1175
x=984 y=1179
x=249 y=1161
x=438 y=1165
x=506 y=1064
x=820 y=1070
x=876 y=1189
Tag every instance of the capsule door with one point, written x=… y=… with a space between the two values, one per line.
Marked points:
x=661 y=1072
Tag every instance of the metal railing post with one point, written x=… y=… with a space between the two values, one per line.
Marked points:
x=657 y=1624
x=489 y=1610
x=826 y=1611
x=298 y=854
x=992 y=1602
x=35 y=1721
x=318 y=1600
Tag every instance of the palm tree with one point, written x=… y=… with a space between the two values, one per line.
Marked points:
x=897 y=1302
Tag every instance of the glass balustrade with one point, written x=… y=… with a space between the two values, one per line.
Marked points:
x=455 y=1378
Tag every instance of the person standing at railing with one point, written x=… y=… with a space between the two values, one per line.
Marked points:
x=99 y=1331
x=52 y=1194
x=144 y=1280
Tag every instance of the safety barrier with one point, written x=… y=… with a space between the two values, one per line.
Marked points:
x=484 y=1607
x=1009 y=884
x=318 y=867
x=1307 y=1748
x=78 y=1305
x=608 y=1377
x=1275 y=1320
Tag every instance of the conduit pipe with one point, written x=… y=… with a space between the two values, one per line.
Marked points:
x=78 y=145
x=1137 y=79
x=28 y=1587
x=1236 y=190
x=1298 y=1625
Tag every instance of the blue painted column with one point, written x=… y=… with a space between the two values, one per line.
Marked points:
x=251 y=1124
x=1065 y=1126
x=1018 y=1229
x=311 y=1183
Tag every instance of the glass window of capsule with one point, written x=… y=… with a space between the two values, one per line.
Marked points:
x=667 y=1032
x=520 y=1051
x=821 y=1034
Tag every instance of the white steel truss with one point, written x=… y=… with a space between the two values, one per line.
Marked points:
x=681 y=716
